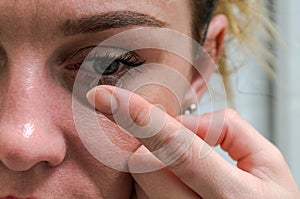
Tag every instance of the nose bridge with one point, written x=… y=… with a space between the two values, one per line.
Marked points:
x=24 y=93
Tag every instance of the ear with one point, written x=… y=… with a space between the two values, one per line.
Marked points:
x=213 y=45
x=216 y=33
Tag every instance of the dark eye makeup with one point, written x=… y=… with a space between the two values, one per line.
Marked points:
x=113 y=60
x=98 y=65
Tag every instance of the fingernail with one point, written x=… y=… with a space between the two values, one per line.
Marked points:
x=103 y=100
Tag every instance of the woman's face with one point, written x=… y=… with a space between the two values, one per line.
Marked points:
x=41 y=154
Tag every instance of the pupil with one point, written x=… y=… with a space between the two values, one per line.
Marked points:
x=109 y=70
x=112 y=68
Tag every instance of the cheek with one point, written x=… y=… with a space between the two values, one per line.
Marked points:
x=88 y=129
x=87 y=153
x=164 y=84
x=164 y=97
x=121 y=140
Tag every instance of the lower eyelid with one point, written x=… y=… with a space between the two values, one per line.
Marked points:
x=89 y=78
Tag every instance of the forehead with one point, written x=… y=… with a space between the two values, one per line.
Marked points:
x=42 y=17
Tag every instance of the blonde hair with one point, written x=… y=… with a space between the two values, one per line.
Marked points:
x=250 y=29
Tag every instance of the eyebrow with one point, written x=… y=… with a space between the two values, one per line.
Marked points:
x=108 y=20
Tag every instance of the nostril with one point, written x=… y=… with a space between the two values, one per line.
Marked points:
x=22 y=161
x=17 y=161
x=22 y=155
x=29 y=137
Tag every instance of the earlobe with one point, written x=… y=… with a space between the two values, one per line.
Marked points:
x=213 y=45
x=215 y=37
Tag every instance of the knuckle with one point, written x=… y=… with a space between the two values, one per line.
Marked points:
x=182 y=156
x=181 y=161
x=232 y=116
x=162 y=139
x=276 y=156
x=140 y=117
x=171 y=150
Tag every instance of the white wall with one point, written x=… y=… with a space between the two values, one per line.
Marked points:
x=287 y=119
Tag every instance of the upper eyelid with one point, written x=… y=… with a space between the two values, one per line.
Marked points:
x=80 y=51
x=87 y=55
x=107 y=51
x=89 y=52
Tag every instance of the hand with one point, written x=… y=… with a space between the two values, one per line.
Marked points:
x=261 y=170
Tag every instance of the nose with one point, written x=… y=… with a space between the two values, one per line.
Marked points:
x=28 y=135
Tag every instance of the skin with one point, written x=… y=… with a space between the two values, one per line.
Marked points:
x=261 y=171
x=41 y=154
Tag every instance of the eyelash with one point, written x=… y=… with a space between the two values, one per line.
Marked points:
x=101 y=64
x=130 y=59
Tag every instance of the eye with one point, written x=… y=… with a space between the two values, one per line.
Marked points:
x=110 y=63
x=92 y=66
x=111 y=69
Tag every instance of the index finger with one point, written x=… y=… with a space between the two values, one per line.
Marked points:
x=145 y=121
x=172 y=143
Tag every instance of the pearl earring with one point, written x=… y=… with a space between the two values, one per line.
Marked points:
x=191 y=109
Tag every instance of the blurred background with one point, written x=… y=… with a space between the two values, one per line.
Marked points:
x=285 y=113
x=272 y=105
